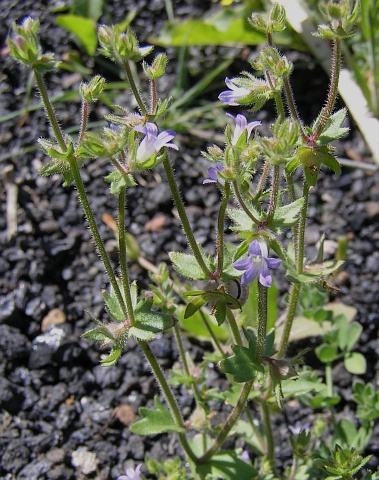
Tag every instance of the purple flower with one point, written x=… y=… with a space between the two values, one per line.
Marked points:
x=230 y=97
x=131 y=473
x=257 y=264
x=241 y=126
x=153 y=142
x=212 y=174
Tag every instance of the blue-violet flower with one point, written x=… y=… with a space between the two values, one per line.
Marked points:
x=212 y=174
x=257 y=264
x=153 y=142
x=241 y=126
x=131 y=473
x=230 y=97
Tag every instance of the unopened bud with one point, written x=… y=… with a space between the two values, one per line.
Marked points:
x=92 y=90
x=157 y=68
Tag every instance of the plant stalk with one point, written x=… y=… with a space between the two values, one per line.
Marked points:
x=233 y=417
x=183 y=217
x=123 y=255
x=169 y=397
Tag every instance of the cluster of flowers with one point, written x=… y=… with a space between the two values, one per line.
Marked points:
x=257 y=263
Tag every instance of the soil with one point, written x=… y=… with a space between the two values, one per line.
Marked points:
x=62 y=415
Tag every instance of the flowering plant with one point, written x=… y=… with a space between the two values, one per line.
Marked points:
x=234 y=300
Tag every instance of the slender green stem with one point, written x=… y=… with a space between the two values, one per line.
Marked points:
x=169 y=397
x=153 y=96
x=183 y=217
x=274 y=193
x=261 y=321
x=234 y=327
x=292 y=197
x=291 y=310
x=268 y=430
x=329 y=379
x=302 y=222
x=295 y=287
x=233 y=417
x=80 y=188
x=182 y=354
x=220 y=228
x=295 y=463
x=83 y=125
x=256 y=431
x=279 y=106
x=263 y=178
x=242 y=202
x=134 y=88
x=292 y=105
x=95 y=233
x=123 y=255
x=212 y=334
x=50 y=111
x=333 y=90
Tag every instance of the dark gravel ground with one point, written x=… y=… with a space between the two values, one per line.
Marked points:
x=58 y=406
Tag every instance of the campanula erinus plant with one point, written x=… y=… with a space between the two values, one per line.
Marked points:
x=264 y=184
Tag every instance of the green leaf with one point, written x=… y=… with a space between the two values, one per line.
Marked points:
x=227 y=465
x=187 y=265
x=113 y=306
x=224 y=28
x=333 y=130
x=119 y=182
x=287 y=215
x=243 y=223
x=155 y=421
x=88 y=8
x=355 y=363
x=241 y=365
x=314 y=272
x=98 y=334
x=84 y=30
x=194 y=306
x=327 y=353
x=149 y=323
x=111 y=359
x=195 y=326
x=355 y=330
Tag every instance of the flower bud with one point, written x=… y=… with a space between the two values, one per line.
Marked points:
x=157 y=68
x=275 y=22
x=92 y=90
x=342 y=18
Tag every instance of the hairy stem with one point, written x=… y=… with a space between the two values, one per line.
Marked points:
x=233 y=417
x=242 y=203
x=175 y=412
x=274 y=194
x=295 y=287
x=183 y=358
x=50 y=111
x=123 y=255
x=220 y=228
x=183 y=217
x=269 y=435
x=333 y=89
x=96 y=234
x=261 y=321
x=133 y=86
x=234 y=327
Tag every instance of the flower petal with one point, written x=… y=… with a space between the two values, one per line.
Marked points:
x=255 y=248
x=250 y=273
x=151 y=129
x=264 y=276
x=163 y=140
x=242 y=264
x=273 y=262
